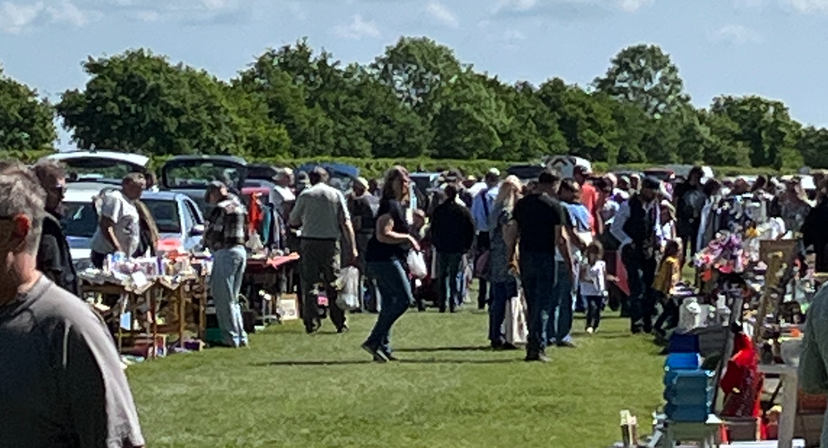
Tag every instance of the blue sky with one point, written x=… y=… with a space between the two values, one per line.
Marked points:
x=767 y=47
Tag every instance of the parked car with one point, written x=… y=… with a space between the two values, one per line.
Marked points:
x=100 y=167
x=190 y=175
x=526 y=173
x=341 y=175
x=180 y=222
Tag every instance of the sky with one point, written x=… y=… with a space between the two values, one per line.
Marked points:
x=735 y=47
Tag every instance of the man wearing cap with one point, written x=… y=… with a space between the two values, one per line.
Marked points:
x=322 y=214
x=481 y=208
x=589 y=197
x=636 y=226
x=225 y=237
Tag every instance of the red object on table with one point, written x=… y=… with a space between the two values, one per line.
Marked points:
x=742 y=382
x=273 y=262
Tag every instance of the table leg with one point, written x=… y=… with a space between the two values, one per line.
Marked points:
x=182 y=315
x=154 y=324
x=787 y=420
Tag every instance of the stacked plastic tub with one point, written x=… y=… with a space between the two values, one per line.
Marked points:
x=688 y=388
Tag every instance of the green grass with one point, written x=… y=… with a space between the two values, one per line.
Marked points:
x=294 y=390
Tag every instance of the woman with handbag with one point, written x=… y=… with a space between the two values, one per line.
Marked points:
x=386 y=262
x=504 y=284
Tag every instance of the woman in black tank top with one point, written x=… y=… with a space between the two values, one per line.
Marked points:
x=385 y=259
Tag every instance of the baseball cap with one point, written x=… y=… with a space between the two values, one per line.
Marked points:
x=361 y=181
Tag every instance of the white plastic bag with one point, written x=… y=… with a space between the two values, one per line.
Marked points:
x=416 y=264
x=348 y=286
x=514 y=324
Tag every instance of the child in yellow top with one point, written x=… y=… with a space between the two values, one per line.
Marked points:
x=666 y=278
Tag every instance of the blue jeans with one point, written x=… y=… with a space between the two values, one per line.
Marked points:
x=502 y=293
x=395 y=295
x=537 y=273
x=559 y=328
x=225 y=285
x=448 y=274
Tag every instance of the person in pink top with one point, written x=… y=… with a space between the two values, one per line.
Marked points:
x=589 y=197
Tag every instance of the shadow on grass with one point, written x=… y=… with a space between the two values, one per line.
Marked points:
x=480 y=348
x=351 y=362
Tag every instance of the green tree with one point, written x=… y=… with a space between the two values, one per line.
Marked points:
x=469 y=121
x=764 y=126
x=416 y=68
x=644 y=75
x=26 y=120
x=813 y=146
x=139 y=102
x=585 y=121
x=531 y=129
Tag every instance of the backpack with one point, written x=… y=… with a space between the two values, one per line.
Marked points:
x=693 y=203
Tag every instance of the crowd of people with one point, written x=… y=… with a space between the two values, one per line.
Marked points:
x=551 y=240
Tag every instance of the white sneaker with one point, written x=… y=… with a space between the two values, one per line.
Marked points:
x=590 y=330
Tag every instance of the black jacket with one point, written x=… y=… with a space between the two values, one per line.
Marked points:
x=452 y=228
x=641 y=227
x=54 y=258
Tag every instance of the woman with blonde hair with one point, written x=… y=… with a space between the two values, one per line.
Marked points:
x=504 y=284
x=385 y=259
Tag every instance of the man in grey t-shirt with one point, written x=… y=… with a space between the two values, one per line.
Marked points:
x=61 y=382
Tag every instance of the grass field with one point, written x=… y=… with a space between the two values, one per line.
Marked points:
x=294 y=390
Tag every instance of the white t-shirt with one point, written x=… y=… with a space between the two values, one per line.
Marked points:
x=593 y=281
x=123 y=213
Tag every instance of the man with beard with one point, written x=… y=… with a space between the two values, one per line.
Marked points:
x=54 y=259
x=636 y=227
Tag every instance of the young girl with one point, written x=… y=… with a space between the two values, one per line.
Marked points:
x=667 y=276
x=593 y=284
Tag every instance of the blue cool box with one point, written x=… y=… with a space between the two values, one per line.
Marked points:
x=683 y=361
x=688 y=379
x=684 y=397
x=683 y=343
x=687 y=413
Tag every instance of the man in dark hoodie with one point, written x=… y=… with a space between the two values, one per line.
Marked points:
x=53 y=256
x=452 y=233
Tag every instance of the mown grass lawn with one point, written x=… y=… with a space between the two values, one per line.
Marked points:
x=294 y=390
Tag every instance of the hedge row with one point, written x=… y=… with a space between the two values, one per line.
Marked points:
x=376 y=167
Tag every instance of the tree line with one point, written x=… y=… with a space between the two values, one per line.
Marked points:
x=416 y=100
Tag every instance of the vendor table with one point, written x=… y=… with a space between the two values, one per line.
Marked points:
x=790 y=388
x=272 y=275
x=147 y=294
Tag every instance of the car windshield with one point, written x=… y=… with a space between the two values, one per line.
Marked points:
x=80 y=220
x=198 y=175
x=165 y=213
x=98 y=170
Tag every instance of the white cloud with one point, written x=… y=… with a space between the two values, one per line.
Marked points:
x=297 y=11
x=148 y=16
x=442 y=14
x=634 y=5
x=749 y=4
x=557 y=6
x=65 y=12
x=806 y=6
x=15 y=18
x=507 y=39
x=736 y=34
x=357 y=29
